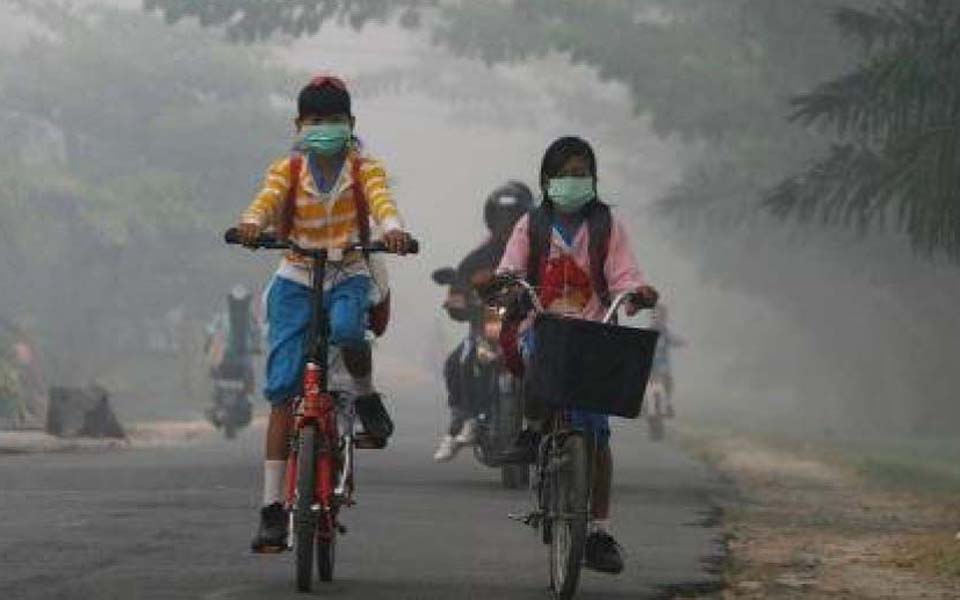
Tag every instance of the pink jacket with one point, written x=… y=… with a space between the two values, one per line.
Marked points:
x=621 y=269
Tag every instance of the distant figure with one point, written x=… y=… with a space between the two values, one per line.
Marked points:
x=233 y=337
x=662 y=370
x=23 y=393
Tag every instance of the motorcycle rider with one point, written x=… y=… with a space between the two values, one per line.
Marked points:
x=501 y=211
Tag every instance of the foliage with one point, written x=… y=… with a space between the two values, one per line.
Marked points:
x=121 y=162
x=252 y=20
x=898 y=116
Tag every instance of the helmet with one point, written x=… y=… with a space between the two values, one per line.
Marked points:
x=505 y=205
x=239 y=292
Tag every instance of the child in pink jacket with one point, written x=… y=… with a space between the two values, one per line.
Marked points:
x=578 y=256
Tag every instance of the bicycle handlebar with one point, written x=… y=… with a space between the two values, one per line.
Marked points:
x=506 y=282
x=271 y=242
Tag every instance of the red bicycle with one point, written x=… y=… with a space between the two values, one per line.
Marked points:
x=320 y=467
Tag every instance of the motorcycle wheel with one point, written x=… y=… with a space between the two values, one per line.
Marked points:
x=655 y=425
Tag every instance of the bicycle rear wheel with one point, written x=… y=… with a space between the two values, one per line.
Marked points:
x=305 y=521
x=569 y=497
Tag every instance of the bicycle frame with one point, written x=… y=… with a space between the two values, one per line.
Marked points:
x=318 y=406
x=317 y=422
x=564 y=466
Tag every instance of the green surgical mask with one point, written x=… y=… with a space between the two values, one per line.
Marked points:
x=570 y=194
x=327 y=139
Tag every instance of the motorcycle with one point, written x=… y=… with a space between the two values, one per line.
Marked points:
x=231 y=409
x=493 y=392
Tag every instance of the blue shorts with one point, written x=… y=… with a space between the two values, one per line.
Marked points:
x=591 y=423
x=288 y=317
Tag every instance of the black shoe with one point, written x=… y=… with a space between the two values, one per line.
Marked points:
x=373 y=416
x=272 y=535
x=603 y=553
x=524 y=449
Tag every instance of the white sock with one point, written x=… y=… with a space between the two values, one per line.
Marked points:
x=600 y=525
x=273 y=471
x=363 y=385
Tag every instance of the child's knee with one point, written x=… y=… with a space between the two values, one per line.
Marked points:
x=348 y=328
x=348 y=313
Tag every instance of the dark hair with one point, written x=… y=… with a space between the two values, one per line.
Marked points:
x=557 y=154
x=322 y=100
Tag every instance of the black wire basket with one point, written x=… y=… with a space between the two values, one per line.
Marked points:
x=591 y=366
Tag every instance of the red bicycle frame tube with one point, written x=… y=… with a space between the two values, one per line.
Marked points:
x=317 y=407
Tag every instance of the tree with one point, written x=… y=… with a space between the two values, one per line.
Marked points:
x=252 y=20
x=898 y=118
x=720 y=74
x=127 y=147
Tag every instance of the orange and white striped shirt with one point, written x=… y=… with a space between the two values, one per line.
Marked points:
x=324 y=219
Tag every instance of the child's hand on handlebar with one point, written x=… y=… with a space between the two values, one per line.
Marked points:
x=249 y=232
x=646 y=297
x=397 y=241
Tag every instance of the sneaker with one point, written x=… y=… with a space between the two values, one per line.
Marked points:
x=468 y=433
x=670 y=412
x=447 y=449
x=603 y=553
x=272 y=535
x=524 y=449
x=373 y=415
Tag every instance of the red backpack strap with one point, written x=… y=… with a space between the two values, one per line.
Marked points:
x=360 y=202
x=285 y=224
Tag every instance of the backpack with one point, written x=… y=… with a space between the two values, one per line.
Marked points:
x=379 y=313
x=599 y=225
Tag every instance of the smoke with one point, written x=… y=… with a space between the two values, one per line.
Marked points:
x=802 y=329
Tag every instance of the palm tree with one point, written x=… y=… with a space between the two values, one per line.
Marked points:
x=896 y=164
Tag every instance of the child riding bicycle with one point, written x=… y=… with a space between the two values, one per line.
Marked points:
x=323 y=195
x=578 y=257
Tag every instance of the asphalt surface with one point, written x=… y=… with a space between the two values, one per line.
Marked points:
x=175 y=522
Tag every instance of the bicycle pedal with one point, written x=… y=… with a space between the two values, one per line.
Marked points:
x=270 y=550
x=533 y=519
x=365 y=441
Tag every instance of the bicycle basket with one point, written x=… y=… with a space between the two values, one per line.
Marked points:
x=590 y=366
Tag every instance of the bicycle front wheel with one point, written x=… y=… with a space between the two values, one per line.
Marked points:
x=305 y=521
x=326 y=555
x=569 y=498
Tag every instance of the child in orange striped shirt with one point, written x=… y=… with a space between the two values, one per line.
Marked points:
x=321 y=196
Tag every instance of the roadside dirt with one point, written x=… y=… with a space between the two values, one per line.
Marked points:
x=139 y=435
x=808 y=528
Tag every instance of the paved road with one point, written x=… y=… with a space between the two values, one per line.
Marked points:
x=175 y=523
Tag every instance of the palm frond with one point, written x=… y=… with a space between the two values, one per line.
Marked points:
x=898 y=117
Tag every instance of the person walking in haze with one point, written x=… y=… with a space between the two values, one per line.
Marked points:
x=501 y=211
x=319 y=196
x=578 y=255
